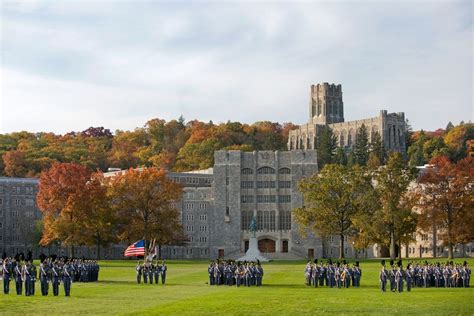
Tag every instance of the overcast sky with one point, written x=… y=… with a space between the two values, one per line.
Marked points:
x=68 y=65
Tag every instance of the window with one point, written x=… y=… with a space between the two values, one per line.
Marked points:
x=265 y=199
x=247 y=185
x=227 y=181
x=17 y=202
x=284 y=171
x=29 y=202
x=265 y=184
x=284 y=184
x=189 y=217
x=266 y=170
x=1 y=201
x=203 y=228
x=285 y=220
x=1 y=189
x=189 y=228
x=246 y=198
x=284 y=198
x=246 y=219
x=247 y=171
x=203 y=217
x=1 y=224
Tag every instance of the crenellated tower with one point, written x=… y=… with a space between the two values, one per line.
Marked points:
x=325 y=104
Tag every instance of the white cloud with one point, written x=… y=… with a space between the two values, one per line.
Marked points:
x=67 y=66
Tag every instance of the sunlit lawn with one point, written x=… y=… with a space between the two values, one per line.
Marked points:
x=283 y=293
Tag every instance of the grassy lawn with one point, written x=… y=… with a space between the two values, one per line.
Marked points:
x=283 y=293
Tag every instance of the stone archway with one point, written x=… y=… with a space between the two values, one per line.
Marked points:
x=266 y=245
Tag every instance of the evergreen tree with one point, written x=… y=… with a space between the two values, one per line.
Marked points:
x=326 y=147
x=341 y=157
x=361 y=149
x=449 y=126
x=377 y=148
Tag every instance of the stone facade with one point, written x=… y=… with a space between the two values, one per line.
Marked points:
x=326 y=108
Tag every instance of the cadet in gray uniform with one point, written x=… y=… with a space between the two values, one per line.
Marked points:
x=383 y=277
x=67 y=278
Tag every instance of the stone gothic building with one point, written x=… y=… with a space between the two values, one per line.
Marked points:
x=326 y=108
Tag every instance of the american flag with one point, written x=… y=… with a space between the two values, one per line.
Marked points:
x=135 y=249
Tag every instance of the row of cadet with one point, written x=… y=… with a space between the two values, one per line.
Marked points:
x=150 y=272
x=52 y=271
x=338 y=274
x=425 y=274
x=245 y=273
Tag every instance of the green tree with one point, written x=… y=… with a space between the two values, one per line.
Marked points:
x=377 y=148
x=392 y=186
x=361 y=148
x=333 y=198
x=326 y=147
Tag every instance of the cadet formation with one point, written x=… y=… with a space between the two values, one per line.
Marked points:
x=440 y=275
x=232 y=273
x=333 y=275
x=150 y=272
x=52 y=271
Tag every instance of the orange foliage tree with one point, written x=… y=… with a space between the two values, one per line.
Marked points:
x=62 y=198
x=447 y=192
x=144 y=202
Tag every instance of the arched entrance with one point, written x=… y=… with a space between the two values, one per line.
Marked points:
x=266 y=245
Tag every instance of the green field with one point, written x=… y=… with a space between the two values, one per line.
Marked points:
x=283 y=293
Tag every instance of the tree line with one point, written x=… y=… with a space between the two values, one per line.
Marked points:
x=183 y=146
x=173 y=145
x=384 y=205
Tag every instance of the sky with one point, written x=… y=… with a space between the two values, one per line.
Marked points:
x=69 y=65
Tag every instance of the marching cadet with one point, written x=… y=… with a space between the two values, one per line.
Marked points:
x=409 y=277
x=56 y=277
x=392 y=276
x=139 y=270
x=157 y=272
x=18 y=278
x=67 y=278
x=399 y=277
x=259 y=274
x=151 y=272
x=163 y=272
x=383 y=277
x=145 y=273
x=33 y=276
x=44 y=278
x=210 y=271
x=6 y=272
x=357 y=274
x=315 y=273
x=307 y=273
x=27 y=278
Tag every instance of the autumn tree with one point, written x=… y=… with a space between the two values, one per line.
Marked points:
x=392 y=183
x=446 y=201
x=377 y=148
x=333 y=198
x=63 y=199
x=143 y=200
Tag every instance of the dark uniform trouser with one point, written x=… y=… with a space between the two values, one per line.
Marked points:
x=18 y=286
x=32 y=286
x=6 y=284
x=408 y=285
x=163 y=277
x=67 y=286
x=27 y=286
x=150 y=277
x=55 y=286
x=157 y=277
x=139 y=278
x=44 y=287
x=383 y=286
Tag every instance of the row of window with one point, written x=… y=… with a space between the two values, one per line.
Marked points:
x=19 y=201
x=18 y=190
x=190 y=228
x=190 y=180
x=266 y=170
x=190 y=217
x=266 y=220
x=189 y=251
x=271 y=184
x=195 y=195
x=265 y=199
x=190 y=206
